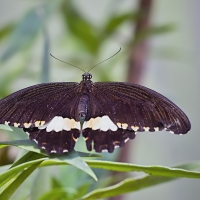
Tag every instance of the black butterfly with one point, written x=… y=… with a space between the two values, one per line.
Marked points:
x=106 y=113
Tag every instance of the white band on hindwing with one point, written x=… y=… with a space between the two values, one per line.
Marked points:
x=59 y=123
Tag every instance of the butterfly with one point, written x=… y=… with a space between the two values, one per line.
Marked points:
x=107 y=114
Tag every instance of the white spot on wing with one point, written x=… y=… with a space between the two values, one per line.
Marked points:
x=146 y=128
x=58 y=124
x=119 y=124
x=105 y=123
x=156 y=128
x=43 y=126
x=51 y=125
x=135 y=128
x=42 y=123
x=75 y=124
x=35 y=141
x=104 y=150
x=65 y=150
x=16 y=124
x=27 y=125
x=7 y=122
x=112 y=126
x=124 y=125
x=67 y=124
x=96 y=123
x=126 y=140
x=37 y=123
x=53 y=151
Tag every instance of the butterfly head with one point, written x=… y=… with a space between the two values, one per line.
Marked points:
x=86 y=76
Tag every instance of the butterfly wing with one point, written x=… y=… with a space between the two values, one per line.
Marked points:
x=34 y=107
x=131 y=108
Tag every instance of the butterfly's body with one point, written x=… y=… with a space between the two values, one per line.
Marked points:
x=107 y=114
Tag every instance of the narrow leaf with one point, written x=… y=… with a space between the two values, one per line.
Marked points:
x=74 y=159
x=152 y=170
x=30 y=156
x=80 y=27
x=8 y=192
x=115 y=21
x=23 y=144
x=133 y=184
x=23 y=34
x=11 y=173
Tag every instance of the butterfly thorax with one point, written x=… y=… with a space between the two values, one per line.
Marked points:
x=85 y=89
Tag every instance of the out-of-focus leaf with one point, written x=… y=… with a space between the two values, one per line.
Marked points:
x=8 y=75
x=82 y=190
x=55 y=183
x=58 y=193
x=134 y=184
x=23 y=35
x=9 y=190
x=43 y=175
x=11 y=173
x=5 y=127
x=80 y=28
x=4 y=31
x=116 y=21
x=144 y=34
x=45 y=63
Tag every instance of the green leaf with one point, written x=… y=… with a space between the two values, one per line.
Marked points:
x=80 y=28
x=5 y=127
x=23 y=144
x=12 y=172
x=43 y=175
x=89 y=155
x=8 y=191
x=30 y=156
x=58 y=193
x=74 y=159
x=23 y=34
x=4 y=31
x=151 y=31
x=152 y=170
x=116 y=21
x=7 y=76
x=134 y=184
x=32 y=146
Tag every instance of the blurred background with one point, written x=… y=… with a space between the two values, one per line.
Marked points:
x=160 y=50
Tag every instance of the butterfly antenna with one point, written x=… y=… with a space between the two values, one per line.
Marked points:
x=106 y=59
x=66 y=63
